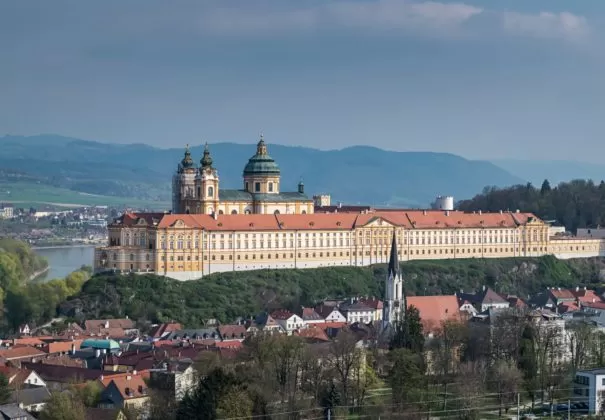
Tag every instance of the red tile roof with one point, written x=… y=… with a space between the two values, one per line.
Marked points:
x=20 y=352
x=159 y=330
x=594 y=305
x=373 y=303
x=562 y=294
x=231 y=331
x=130 y=386
x=28 y=341
x=281 y=314
x=583 y=295
x=93 y=325
x=313 y=334
x=435 y=309
x=62 y=346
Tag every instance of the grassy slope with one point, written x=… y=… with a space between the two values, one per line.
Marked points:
x=228 y=295
x=26 y=194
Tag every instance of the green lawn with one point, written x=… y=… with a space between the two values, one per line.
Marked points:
x=31 y=194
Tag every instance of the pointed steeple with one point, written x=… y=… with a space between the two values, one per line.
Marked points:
x=206 y=159
x=394 y=268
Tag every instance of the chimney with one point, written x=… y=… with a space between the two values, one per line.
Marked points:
x=128 y=378
x=134 y=372
x=484 y=287
x=500 y=211
x=215 y=215
x=479 y=211
x=97 y=353
x=73 y=348
x=447 y=212
x=577 y=289
x=424 y=212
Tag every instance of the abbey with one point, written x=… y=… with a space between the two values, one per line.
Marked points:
x=196 y=190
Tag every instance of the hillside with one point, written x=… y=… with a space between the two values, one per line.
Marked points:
x=226 y=296
x=353 y=175
x=535 y=171
x=575 y=204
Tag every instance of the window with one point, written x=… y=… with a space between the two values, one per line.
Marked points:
x=257 y=187
x=270 y=186
x=210 y=191
x=247 y=187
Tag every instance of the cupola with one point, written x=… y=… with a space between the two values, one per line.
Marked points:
x=261 y=163
x=206 y=159
x=187 y=162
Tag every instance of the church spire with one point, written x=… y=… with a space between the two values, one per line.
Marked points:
x=187 y=162
x=394 y=268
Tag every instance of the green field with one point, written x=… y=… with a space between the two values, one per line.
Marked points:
x=31 y=194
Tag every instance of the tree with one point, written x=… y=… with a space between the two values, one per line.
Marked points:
x=545 y=189
x=235 y=403
x=406 y=377
x=408 y=332
x=470 y=381
x=90 y=393
x=528 y=363
x=5 y=390
x=580 y=335
x=62 y=406
x=344 y=356
x=204 y=401
x=504 y=381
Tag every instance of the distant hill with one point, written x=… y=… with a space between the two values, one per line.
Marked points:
x=556 y=171
x=359 y=174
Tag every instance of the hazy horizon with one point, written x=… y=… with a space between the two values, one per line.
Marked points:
x=482 y=80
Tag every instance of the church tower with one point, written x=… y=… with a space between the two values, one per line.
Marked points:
x=207 y=184
x=394 y=300
x=261 y=174
x=183 y=185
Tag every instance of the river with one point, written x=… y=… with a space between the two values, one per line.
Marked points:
x=64 y=260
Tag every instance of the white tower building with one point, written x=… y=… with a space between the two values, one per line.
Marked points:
x=394 y=300
x=444 y=203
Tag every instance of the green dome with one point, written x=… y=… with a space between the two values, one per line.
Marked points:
x=187 y=162
x=261 y=163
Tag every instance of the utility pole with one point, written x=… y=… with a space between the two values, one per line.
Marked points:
x=518 y=406
x=328 y=414
x=568 y=409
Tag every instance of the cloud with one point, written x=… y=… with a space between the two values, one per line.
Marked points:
x=547 y=25
x=371 y=15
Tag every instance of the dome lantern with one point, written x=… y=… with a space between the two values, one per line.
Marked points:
x=261 y=163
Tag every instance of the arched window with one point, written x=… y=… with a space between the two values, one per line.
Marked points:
x=276 y=212
x=220 y=212
x=248 y=211
x=270 y=186
x=199 y=191
x=233 y=211
x=210 y=191
x=304 y=212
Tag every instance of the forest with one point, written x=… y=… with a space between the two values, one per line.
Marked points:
x=575 y=204
x=226 y=296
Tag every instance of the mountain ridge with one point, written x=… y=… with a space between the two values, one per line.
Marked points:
x=355 y=174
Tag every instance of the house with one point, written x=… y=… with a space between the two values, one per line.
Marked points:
x=375 y=304
x=103 y=346
x=104 y=414
x=330 y=313
x=467 y=307
x=93 y=325
x=194 y=334
x=310 y=316
x=584 y=295
x=485 y=299
x=31 y=399
x=176 y=378
x=124 y=391
x=14 y=412
x=287 y=320
x=313 y=334
x=356 y=311
x=434 y=310
x=24 y=329
x=22 y=378
x=232 y=332
x=62 y=377
x=157 y=332
x=265 y=323
x=589 y=388
x=18 y=354
x=62 y=347
x=552 y=297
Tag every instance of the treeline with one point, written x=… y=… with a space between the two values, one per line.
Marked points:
x=574 y=204
x=31 y=302
x=226 y=296
x=18 y=263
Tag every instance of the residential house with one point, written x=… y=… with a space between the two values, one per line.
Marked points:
x=124 y=391
x=485 y=299
x=102 y=346
x=158 y=332
x=310 y=316
x=194 y=334
x=59 y=378
x=31 y=399
x=58 y=348
x=375 y=304
x=330 y=313
x=93 y=325
x=22 y=378
x=589 y=388
x=14 y=412
x=264 y=323
x=19 y=354
x=435 y=310
x=232 y=332
x=552 y=297
x=24 y=329
x=356 y=311
x=176 y=378
x=313 y=334
x=467 y=307
x=287 y=320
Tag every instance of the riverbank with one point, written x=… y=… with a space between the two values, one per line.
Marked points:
x=65 y=259
x=65 y=246
x=39 y=273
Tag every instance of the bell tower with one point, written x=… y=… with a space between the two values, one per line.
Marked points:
x=207 y=185
x=183 y=185
x=394 y=299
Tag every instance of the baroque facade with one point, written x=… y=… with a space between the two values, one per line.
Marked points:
x=196 y=190
x=189 y=246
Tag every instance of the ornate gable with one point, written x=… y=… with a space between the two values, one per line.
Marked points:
x=378 y=222
x=179 y=223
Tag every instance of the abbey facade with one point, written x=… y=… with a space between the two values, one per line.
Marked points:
x=196 y=190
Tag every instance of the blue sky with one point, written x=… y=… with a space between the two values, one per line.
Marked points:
x=482 y=79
